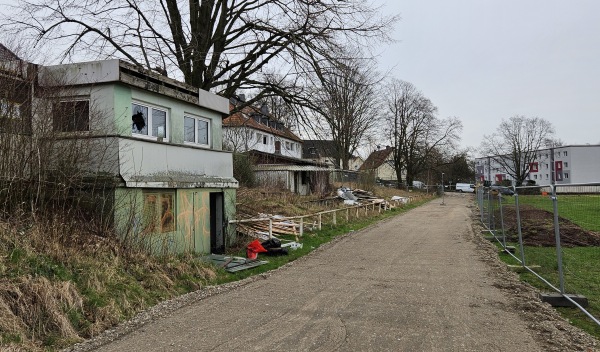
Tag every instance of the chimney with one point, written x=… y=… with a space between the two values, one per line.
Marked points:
x=264 y=109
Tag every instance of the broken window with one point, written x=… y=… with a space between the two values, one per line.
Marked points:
x=159 y=212
x=196 y=130
x=71 y=116
x=148 y=121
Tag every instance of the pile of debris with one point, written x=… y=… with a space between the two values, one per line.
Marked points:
x=358 y=197
x=280 y=226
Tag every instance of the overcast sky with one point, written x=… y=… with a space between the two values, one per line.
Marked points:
x=485 y=60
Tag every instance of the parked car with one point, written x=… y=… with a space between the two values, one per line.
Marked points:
x=503 y=190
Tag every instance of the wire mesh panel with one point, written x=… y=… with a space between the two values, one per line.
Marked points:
x=579 y=223
x=555 y=231
x=536 y=222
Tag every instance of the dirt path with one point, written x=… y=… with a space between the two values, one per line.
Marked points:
x=422 y=281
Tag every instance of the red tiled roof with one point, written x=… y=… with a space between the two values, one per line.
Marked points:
x=243 y=118
x=376 y=159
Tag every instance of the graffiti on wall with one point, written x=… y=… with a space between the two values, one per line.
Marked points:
x=194 y=219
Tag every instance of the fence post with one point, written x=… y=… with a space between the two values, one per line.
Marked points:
x=502 y=220
x=480 y=199
x=270 y=228
x=490 y=211
x=357 y=212
x=320 y=221
x=521 y=249
x=347 y=214
x=366 y=210
x=301 y=226
x=335 y=218
x=557 y=236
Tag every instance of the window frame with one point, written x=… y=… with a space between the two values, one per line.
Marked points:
x=533 y=167
x=208 y=130
x=70 y=100
x=149 y=125
x=153 y=223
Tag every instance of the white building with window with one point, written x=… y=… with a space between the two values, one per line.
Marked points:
x=256 y=129
x=275 y=149
x=569 y=164
x=159 y=141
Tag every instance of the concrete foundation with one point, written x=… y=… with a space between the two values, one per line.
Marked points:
x=557 y=300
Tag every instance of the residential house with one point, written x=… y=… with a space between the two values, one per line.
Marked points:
x=157 y=140
x=253 y=128
x=275 y=150
x=381 y=164
x=325 y=151
x=570 y=164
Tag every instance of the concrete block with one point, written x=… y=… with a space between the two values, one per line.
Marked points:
x=557 y=300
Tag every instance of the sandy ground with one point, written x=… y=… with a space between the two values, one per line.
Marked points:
x=422 y=281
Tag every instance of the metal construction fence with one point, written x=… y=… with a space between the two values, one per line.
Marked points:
x=553 y=232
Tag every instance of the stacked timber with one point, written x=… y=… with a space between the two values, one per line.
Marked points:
x=259 y=227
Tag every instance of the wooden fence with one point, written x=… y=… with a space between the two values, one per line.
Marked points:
x=295 y=225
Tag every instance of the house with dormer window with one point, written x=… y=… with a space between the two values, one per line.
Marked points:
x=274 y=148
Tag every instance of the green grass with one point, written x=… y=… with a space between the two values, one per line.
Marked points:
x=582 y=210
x=581 y=276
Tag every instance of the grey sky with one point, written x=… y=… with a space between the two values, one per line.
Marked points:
x=484 y=60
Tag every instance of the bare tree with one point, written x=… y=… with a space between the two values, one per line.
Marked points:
x=515 y=143
x=218 y=45
x=347 y=106
x=415 y=133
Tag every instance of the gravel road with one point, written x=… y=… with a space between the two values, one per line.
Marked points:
x=422 y=281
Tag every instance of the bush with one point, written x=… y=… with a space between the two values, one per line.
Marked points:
x=243 y=170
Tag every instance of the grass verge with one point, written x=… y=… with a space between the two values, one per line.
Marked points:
x=581 y=276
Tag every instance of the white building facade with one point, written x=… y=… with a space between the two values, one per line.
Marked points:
x=571 y=164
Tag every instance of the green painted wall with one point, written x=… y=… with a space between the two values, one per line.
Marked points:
x=192 y=213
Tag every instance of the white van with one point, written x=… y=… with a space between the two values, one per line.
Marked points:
x=465 y=187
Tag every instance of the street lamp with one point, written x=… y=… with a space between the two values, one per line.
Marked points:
x=443 y=190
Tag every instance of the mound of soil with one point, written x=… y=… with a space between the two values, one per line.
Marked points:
x=538 y=230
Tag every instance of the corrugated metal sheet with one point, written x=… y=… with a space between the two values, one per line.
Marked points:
x=271 y=167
